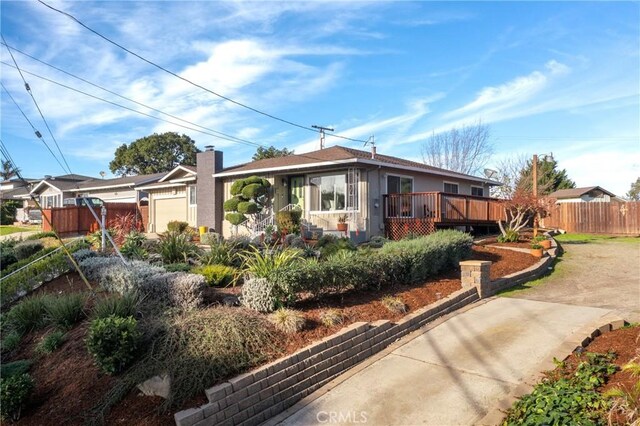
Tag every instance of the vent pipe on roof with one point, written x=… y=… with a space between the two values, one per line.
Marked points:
x=47 y=176
x=208 y=147
x=373 y=152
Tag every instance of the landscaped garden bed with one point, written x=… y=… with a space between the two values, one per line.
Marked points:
x=175 y=314
x=599 y=385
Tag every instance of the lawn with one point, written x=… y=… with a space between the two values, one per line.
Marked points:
x=594 y=238
x=10 y=229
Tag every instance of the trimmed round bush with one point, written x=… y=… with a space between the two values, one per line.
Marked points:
x=258 y=294
x=177 y=226
x=235 y=218
x=231 y=205
x=254 y=179
x=113 y=341
x=248 y=207
x=236 y=187
x=253 y=191
x=27 y=248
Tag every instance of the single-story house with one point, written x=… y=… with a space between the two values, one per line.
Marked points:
x=339 y=181
x=589 y=194
x=187 y=193
x=52 y=191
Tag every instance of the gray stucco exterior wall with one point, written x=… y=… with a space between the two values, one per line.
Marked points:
x=209 y=189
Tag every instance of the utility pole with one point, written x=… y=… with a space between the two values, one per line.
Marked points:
x=322 y=129
x=535 y=193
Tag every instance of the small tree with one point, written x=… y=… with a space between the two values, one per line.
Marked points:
x=634 y=192
x=7 y=171
x=521 y=208
x=249 y=197
x=271 y=152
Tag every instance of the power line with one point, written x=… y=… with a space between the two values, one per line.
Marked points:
x=35 y=131
x=26 y=86
x=218 y=135
x=186 y=80
x=231 y=137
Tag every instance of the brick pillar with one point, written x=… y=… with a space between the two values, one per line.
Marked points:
x=476 y=273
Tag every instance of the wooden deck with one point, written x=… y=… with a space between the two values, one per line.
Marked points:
x=423 y=212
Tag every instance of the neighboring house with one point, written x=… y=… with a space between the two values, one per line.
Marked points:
x=338 y=181
x=52 y=191
x=187 y=193
x=589 y=194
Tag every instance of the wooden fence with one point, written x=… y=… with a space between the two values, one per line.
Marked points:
x=595 y=218
x=74 y=220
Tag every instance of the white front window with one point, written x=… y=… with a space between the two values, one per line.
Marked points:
x=330 y=193
x=192 y=195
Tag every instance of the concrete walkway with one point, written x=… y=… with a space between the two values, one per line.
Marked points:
x=452 y=374
x=18 y=235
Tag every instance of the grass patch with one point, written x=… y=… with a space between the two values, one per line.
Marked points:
x=10 y=229
x=593 y=238
x=559 y=270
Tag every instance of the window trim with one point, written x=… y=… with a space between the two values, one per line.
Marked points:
x=190 y=190
x=346 y=195
x=444 y=182
x=386 y=182
x=477 y=187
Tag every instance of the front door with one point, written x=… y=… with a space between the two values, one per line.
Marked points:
x=296 y=191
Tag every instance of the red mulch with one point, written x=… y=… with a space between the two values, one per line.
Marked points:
x=68 y=383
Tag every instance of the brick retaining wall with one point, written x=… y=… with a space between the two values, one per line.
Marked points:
x=258 y=395
x=253 y=397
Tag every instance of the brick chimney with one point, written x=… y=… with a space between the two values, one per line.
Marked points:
x=209 y=190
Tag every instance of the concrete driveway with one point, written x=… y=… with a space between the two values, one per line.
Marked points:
x=455 y=372
x=600 y=274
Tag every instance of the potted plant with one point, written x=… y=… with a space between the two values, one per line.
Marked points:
x=536 y=250
x=342 y=223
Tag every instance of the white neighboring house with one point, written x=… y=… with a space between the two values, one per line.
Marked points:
x=589 y=194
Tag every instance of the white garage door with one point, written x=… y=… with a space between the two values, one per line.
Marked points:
x=166 y=210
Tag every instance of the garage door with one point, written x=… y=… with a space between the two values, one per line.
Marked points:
x=167 y=210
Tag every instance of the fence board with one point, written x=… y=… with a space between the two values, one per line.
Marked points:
x=79 y=220
x=596 y=218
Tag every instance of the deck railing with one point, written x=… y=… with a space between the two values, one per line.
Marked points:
x=442 y=207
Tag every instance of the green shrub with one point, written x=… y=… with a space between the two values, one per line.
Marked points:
x=29 y=314
x=113 y=341
x=510 y=236
x=567 y=400
x=177 y=226
x=222 y=254
x=262 y=264
x=23 y=262
x=50 y=342
x=133 y=246
x=248 y=207
x=231 y=204
x=236 y=188
x=289 y=221
x=7 y=257
x=177 y=289
x=116 y=305
x=28 y=248
x=211 y=238
x=14 y=393
x=15 y=368
x=10 y=341
x=177 y=267
x=65 y=310
x=44 y=234
x=235 y=218
x=217 y=275
x=8 y=209
x=254 y=190
x=329 y=245
x=288 y=320
x=176 y=247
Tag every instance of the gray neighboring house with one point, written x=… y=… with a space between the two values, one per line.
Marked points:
x=588 y=194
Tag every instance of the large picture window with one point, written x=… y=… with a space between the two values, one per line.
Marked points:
x=399 y=185
x=399 y=206
x=329 y=193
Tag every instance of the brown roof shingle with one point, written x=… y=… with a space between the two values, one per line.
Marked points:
x=577 y=192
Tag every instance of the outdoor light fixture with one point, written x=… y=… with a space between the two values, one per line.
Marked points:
x=284 y=181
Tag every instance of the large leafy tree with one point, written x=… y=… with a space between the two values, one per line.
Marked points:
x=634 y=192
x=271 y=152
x=550 y=179
x=7 y=171
x=156 y=153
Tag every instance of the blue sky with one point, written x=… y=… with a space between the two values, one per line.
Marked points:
x=546 y=77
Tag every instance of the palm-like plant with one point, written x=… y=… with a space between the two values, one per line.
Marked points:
x=626 y=401
x=7 y=171
x=262 y=264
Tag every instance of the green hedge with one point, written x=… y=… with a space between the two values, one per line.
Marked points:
x=19 y=264
x=401 y=262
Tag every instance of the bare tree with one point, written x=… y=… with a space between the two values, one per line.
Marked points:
x=509 y=170
x=464 y=150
